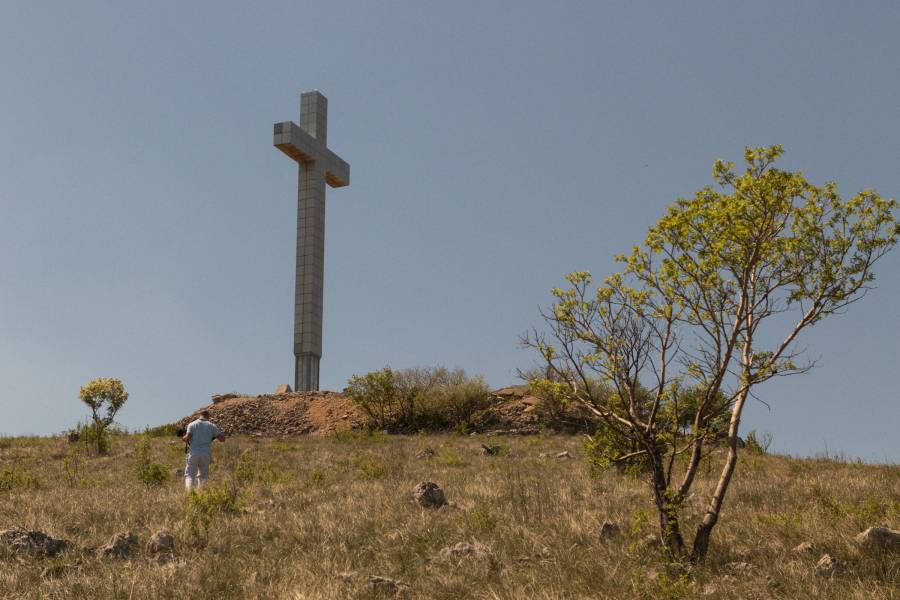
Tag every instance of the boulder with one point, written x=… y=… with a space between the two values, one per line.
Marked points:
x=429 y=495
x=23 y=541
x=385 y=585
x=490 y=450
x=217 y=398
x=283 y=389
x=563 y=454
x=805 y=548
x=879 y=539
x=161 y=542
x=426 y=453
x=609 y=530
x=121 y=545
x=829 y=565
x=458 y=551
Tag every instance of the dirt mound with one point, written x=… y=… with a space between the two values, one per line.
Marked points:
x=314 y=413
x=512 y=411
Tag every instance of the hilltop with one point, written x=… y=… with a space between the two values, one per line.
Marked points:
x=512 y=410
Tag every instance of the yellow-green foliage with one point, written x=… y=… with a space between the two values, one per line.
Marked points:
x=148 y=472
x=430 y=398
x=203 y=505
x=104 y=396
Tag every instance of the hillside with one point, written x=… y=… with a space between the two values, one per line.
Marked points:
x=333 y=517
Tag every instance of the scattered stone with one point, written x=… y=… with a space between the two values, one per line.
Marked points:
x=426 y=453
x=609 y=530
x=23 y=541
x=429 y=495
x=283 y=389
x=805 y=548
x=490 y=450
x=879 y=538
x=217 y=398
x=348 y=576
x=58 y=570
x=563 y=454
x=161 y=542
x=829 y=565
x=739 y=567
x=458 y=551
x=385 y=585
x=121 y=545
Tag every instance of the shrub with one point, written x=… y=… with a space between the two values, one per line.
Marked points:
x=103 y=395
x=203 y=505
x=553 y=399
x=18 y=477
x=167 y=430
x=754 y=444
x=96 y=440
x=148 y=472
x=419 y=398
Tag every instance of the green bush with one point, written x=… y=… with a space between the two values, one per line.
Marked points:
x=431 y=398
x=203 y=505
x=18 y=477
x=96 y=440
x=607 y=448
x=167 y=430
x=104 y=396
x=148 y=472
x=754 y=444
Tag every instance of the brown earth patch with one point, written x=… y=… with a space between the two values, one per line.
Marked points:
x=512 y=411
x=313 y=413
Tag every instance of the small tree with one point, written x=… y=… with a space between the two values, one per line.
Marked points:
x=712 y=304
x=104 y=396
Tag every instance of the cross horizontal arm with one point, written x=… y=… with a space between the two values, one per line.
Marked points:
x=302 y=147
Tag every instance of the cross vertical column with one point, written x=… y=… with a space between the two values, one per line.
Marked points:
x=309 y=286
x=318 y=166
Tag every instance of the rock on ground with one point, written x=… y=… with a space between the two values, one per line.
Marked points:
x=609 y=530
x=829 y=565
x=385 y=585
x=879 y=538
x=426 y=453
x=121 y=545
x=161 y=542
x=805 y=548
x=429 y=495
x=490 y=450
x=21 y=540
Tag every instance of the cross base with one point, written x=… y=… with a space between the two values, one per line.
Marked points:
x=306 y=372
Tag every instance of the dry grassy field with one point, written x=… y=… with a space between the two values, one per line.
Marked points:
x=317 y=517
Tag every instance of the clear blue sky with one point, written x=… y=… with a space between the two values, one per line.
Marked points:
x=147 y=224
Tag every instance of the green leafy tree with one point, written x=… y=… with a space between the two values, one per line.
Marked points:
x=104 y=396
x=761 y=256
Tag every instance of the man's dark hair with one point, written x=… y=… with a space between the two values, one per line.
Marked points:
x=204 y=414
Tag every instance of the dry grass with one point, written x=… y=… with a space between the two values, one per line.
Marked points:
x=318 y=507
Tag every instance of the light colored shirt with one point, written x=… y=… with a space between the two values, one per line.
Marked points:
x=202 y=435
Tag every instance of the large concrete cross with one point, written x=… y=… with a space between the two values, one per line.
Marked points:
x=318 y=166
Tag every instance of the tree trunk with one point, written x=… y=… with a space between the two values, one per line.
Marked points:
x=704 y=529
x=669 y=527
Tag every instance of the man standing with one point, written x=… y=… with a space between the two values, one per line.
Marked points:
x=199 y=437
